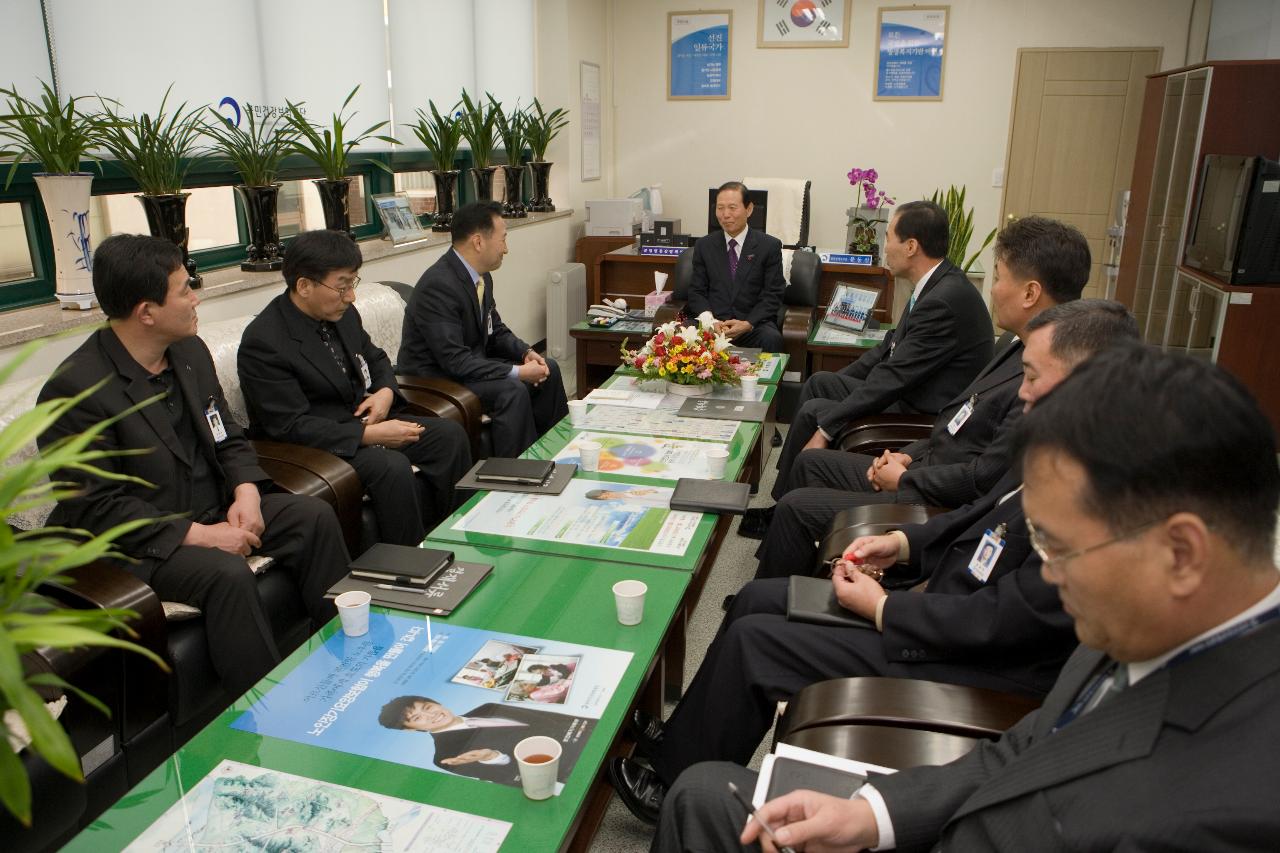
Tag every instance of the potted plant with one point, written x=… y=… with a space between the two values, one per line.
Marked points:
x=256 y=153
x=961 y=227
x=440 y=135
x=157 y=153
x=540 y=128
x=511 y=132
x=477 y=122
x=58 y=135
x=31 y=558
x=330 y=149
x=867 y=232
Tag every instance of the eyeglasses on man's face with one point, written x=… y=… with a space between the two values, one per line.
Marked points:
x=347 y=287
x=1050 y=559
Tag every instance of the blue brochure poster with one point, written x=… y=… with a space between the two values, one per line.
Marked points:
x=458 y=705
x=912 y=43
x=698 y=62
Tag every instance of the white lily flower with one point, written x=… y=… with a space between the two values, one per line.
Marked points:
x=722 y=342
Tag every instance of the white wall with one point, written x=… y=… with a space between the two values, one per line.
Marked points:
x=809 y=113
x=1245 y=29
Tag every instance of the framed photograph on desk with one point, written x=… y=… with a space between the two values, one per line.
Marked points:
x=698 y=55
x=803 y=23
x=397 y=215
x=850 y=307
x=910 y=53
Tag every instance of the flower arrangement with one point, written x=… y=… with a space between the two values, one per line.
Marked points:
x=863 y=237
x=685 y=356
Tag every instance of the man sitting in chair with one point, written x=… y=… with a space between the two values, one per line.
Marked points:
x=452 y=330
x=737 y=276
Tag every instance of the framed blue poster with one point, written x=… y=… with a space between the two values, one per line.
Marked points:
x=910 y=53
x=698 y=55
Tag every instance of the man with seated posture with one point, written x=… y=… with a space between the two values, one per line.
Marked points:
x=452 y=329
x=941 y=342
x=737 y=276
x=195 y=471
x=1156 y=734
x=312 y=376
x=480 y=743
x=1038 y=263
x=1055 y=342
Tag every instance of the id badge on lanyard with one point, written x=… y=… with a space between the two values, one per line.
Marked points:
x=963 y=415
x=988 y=552
x=216 y=426
x=364 y=371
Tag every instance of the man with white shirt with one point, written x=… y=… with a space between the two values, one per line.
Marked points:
x=942 y=340
x=1160 y=731
x=480 y=743
x=737 y=275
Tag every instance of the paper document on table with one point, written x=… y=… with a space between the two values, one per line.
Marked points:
x=623 y=399
x=242 y=807
x=830 y=335
x=644 y=455
x=659 y=422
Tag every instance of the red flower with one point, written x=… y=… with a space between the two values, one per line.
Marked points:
x=677 y=340
x=659 y=338
x=639 y=362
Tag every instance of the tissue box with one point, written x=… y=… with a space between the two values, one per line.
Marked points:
x=653 y=300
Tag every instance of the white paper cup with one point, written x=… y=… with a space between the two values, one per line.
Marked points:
x=659 y=280
x=353 y=610
x=717 y=458
x=538 y=778
x=589 y=455
x=629 y=596
x=577 y=412
x=749 y=386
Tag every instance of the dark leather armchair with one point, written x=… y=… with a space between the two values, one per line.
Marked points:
x=867 y=520
x=875 y=434
x=795 y=315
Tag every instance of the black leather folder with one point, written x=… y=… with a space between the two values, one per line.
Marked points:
x=711 y=496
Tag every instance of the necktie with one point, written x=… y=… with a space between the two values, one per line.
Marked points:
x=480 y=291
x=911 y=303
x=733 y=258
x=326 y=335
x=1119 y=681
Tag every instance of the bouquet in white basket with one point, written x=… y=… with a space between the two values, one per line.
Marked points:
x=685 y=356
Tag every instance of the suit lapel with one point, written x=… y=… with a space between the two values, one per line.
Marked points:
x=139 y=388
x=186 y=378
x=311 y=348
x=746 y=255
x=469 y=289
x=1000 y=369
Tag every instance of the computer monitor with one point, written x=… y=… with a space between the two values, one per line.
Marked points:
x=759 y=198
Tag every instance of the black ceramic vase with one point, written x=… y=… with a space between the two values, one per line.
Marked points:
x=263 y=248
x=484 y=182
x=513 y=203
x=541 y=201
x=167 y=219
x=446 y=198
x=334 y=200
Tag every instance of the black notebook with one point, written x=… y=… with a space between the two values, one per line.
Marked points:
x=401 y=564
x=711 y=496
x=814 y=600
x=441 y=598
x=526 y=472
x=790 y=774
x=724 y=409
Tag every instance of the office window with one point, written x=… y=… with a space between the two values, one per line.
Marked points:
x=299 y=209
x=211 y=217
x=15 y=253
x=421 y=188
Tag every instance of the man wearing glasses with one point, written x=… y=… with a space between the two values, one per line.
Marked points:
x=985 y=618
x=312 y=376
x=1161 y=731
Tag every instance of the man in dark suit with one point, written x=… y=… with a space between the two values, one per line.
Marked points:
x=481 y=742
x=311 y=375
x=452 y=329
x=941 y=342
x=1160 y=731
x=1056 y=341
x=999 y=627
x=737 y=276
x=1039 y=263
x=196 y=473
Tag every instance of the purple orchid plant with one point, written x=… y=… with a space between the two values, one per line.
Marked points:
x=869 y=196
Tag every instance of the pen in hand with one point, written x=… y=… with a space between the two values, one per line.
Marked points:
x=751 y=810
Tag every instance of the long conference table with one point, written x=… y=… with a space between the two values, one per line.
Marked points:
x=555 y=591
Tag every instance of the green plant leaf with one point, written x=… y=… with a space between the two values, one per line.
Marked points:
x=47 y=737
x=15 y=788
x=48 y=679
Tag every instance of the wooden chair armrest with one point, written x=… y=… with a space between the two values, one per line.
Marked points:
x=905 y=703
x=103 y=585
x=874 y=434
x=886 y=746
x=868 y=520
x=303 y=470
x=463 y=399
x=797 y=322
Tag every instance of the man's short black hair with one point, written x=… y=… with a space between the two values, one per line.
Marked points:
x=132 y=268
x=1051 y=252
x=478 y=216
x=1085 y=327
x=315 y=254
x=926 y=223
x=392 y=714
x=740 y=187
x=1158 y=434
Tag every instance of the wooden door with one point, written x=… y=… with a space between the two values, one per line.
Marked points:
x=1073 y=136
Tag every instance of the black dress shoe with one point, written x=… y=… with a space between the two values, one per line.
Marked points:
x=647 y=731
x=777 y=439
x=639 y=788
x=755 y=523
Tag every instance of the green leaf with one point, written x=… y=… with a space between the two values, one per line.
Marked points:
x=15 y=788
x=48 y=679
x=47 y=737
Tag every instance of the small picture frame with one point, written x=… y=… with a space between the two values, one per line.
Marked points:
x=850 y=307
x=398 y=218
x=911 y=43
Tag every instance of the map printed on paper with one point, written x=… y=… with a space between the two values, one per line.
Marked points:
x=644 y=456
x=241 y=807
x=661 y=422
